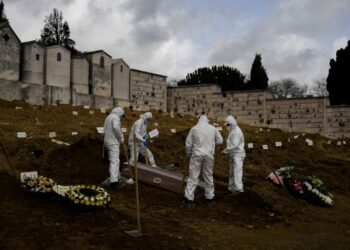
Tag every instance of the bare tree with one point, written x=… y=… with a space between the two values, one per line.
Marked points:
x=319 y=87
x=172 y=82
x=287 y=87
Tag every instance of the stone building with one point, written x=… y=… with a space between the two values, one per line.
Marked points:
x=120 y=80
x=80 y=74
x=10 y=46
x=32 y=57
x=57 y=66
x=148 y=90
x=99 y=73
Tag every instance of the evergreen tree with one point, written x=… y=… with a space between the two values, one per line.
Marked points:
x=338 y=80
x=2 y=13
x=258 y=76
x=226 y=77
x=56 y=31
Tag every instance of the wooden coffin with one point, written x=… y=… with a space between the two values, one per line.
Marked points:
x=160 y=178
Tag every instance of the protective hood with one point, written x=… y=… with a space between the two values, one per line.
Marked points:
x=118 y=111
x=230 y=120
x=147 y=116
x=203 y=118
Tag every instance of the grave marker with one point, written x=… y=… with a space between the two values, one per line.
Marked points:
x=28 y=175
x=153 y=133
x=250 y=145
x=21 y=134
x=278 y=144
x=265 y=147
x=52 y=134
x=100 y=130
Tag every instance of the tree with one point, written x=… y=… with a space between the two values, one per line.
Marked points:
x=338 y=80
x=258 y=76
x=56 y=31
x=319 y=87
x=287 y=87
x=2 y=13
x=226 y=77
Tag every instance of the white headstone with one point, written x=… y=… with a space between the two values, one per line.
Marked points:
x=344 y=142
x=103 y=111
x=28 y=175
x=86 y=106
x=265 y=147
x=124 y=130
x=17 y=108
x=100 y=130
x=338 y=143
x=52 y=134
x=173 y=130
x=21 y=134
x=156 y=124
x=74 y=133
x=153 y=133
x=91 y=112
x=250 y=145
x=278 y=144
x=75 y=112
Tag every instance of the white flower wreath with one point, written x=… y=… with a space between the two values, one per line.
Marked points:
x=88 y=195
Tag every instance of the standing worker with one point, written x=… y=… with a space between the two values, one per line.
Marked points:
x=112 y=139
x=200 y=148
x=139 y=129
x=236 y=152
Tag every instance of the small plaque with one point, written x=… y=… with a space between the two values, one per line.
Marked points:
x=265 y=147
x=173 y=130
x=21 y=134
x=100 y=130
x=52 y=134
x=153 y=133
x=74 y=133
x=278 y=144
x=91 y=112
x=75 y=112
x=250 y=145
x=124 y=130
x=86 y=106
x=28 y=175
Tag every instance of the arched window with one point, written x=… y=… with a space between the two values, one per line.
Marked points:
x=59 y=57
x=102 y=62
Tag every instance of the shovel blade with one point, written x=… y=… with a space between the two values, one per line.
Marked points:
x=134 y=233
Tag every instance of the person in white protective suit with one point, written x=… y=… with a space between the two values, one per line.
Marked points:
x=139 y=129
x=113 y=137
x=236 y=152
x=200 y=148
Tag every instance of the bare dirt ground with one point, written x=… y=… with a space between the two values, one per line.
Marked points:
x=263 y=217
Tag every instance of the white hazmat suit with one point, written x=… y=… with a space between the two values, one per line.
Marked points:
x=200 y=148
x=236 y=152
x=139 y=129
x=113 y=137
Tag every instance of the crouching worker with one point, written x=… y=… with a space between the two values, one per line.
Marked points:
x=200 y=148
x=113 y=137
x=236 y=152
x=139 y=130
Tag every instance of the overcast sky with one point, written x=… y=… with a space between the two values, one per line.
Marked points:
x=296 y=38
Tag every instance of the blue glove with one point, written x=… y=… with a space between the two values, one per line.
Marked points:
x=145 y=143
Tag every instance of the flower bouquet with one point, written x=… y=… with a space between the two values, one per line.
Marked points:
x=40 y=184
